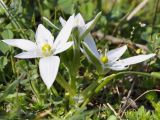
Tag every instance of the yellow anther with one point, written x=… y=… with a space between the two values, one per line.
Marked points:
x=46 y=49
x=104 y=59
x=139 y=51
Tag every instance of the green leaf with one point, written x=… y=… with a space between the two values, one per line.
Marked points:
x=48 y=22
x=4 y=48
x=87 y=9
x=112 y=117
x=9 y=90
x=3 y=62
x=151 y=96
x=67 y=5
x=156 y=74
x=7 y=34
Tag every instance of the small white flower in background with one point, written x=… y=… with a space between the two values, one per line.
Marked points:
x=82 y=27
x=111 y=58
x=45 y=48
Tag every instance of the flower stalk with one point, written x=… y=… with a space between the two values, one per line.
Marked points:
x=65 y=85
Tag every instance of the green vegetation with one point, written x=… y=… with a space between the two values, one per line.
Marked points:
x=84 y=89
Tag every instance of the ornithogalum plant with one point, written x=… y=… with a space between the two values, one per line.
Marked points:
x=45 y=48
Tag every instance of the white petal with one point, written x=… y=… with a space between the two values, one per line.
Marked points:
x=80 y=23
x=29 y=54
x=43 y=35
x=92 y=23
x=91 y=44
x=89 y=24
x=79 y=20
x=134 y=60
x=62 y=21
x=21 y=43
x=48 y=67
x=63 y=47
x=118 y=67
x=115 y=54
x=65 y=32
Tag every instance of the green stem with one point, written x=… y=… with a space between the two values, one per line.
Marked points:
x=54 y=91
x=134 y=72
x=108 y=78
x=104 y=82
x=65 y=85
x=95 y=87
x=88 y=91
x=72 y=80
x=35 y=91
x=13 y=65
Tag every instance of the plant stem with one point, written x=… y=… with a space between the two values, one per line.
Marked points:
x=134 y=72
x=35 y=91
x=65 y=85
x=72 y=81
x=94 y=88
x=54 y=91
x=104 y=82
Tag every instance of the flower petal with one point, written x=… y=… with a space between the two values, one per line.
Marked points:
x=65 y=32
x=134 y=60
x=90 y=25
x=62 y=21
x=118 y=67
x=48 y=67
x=63 y=47
x=91 y=44
x=80 y=23
x=21 y=43
x=115 y=54
x=43 y=35
x=29 y=55
x=94 y=21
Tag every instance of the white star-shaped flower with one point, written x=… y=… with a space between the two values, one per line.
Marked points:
x=111 y=59
x=82 y=27
x=45 y=48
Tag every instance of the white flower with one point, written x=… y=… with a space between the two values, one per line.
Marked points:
x=111 y=58
x=45 y=48
x=82 y=27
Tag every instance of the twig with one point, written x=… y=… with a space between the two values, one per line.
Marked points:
x=154 y=90
x=127 y=99
x=43 y=114
x=115 y=40
x=139 y=7
x=113 y=111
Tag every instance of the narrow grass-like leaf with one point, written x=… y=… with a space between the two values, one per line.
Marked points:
x=10 y=88
x=47 y=21
x=92 y=57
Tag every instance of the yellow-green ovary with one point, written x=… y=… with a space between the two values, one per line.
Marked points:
x=46 y=49
x=104 y=59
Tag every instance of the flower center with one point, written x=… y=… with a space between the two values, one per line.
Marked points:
x=104 y=59
x=46 y=49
